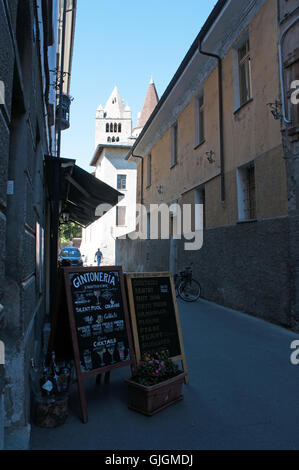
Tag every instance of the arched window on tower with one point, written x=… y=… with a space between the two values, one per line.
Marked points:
x=111 y=127
x=119 y=127
x=117 y=139
x=107 y=127
x=115 y=127
x=109 y=139
x=113 y=139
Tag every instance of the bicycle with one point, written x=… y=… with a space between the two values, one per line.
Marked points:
x=187 y=288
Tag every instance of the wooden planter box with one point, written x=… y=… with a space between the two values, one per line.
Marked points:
x=151 y=400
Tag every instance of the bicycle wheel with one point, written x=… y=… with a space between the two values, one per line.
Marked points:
x=189 y=290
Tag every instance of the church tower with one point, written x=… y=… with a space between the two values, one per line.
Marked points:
x=150 y=102
x=114 y=122
x=114 y=138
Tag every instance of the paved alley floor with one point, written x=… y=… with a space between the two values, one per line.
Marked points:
x=243 y=394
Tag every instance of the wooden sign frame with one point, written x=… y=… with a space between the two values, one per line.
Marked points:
x=129 y=276
x=106 y=369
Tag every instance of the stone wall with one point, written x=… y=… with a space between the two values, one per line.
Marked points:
x=246 y=266
x=23 y=143
x=6 y=75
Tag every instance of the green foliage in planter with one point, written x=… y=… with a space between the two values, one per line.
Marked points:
x=156 y=368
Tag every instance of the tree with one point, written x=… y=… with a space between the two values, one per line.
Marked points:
x=68 y=231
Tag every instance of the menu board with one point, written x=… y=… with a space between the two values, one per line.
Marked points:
x=99 y=318
x=154 y=315
x=99 y=322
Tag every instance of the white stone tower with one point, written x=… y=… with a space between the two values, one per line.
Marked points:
x=114 y=123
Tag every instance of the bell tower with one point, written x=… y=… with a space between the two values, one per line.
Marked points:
x=114 y=122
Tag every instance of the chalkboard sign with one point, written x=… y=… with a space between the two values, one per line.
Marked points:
x=154 y=315
x=99 y=322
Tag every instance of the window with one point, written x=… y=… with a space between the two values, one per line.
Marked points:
x=107 y=127
x=246 y=192
x=174 y=145
x=111 y=127
x=109 y=139
x=119 y=127
x=149 y=171
x=244 y=72
x=115 y=127
x=121 y=182
x=199 y=120
x=120 y=216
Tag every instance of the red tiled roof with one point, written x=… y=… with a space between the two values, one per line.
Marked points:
x=151 y=101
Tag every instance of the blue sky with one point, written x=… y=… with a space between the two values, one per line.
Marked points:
x=124 y=43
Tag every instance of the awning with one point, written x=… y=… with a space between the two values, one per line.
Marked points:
x=79 y=193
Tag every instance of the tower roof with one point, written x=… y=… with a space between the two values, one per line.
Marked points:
x=115 y=106
x=151 y=101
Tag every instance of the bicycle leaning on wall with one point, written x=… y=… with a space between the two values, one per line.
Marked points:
x=186 y=287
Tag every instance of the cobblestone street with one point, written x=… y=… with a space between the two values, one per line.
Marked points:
x=242 y=394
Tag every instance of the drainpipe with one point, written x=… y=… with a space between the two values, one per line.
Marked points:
x=141 y=185
x=215 y=56
x=61 y=79
x=141 y=179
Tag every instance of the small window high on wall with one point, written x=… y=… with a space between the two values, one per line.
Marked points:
x=245 y=72
x=199 y=120
x=242 y=72
x=149 y=171
x=174 y=145
x=121 y=182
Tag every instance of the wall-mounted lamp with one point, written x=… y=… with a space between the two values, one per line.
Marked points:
x=210 y=156
x=65 y=216
x=160 y=189
x=276 y=109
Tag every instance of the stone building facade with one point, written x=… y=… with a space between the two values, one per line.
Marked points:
x=28 y=52
x=217 y=139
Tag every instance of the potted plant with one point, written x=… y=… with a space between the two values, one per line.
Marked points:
x=156 y=384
